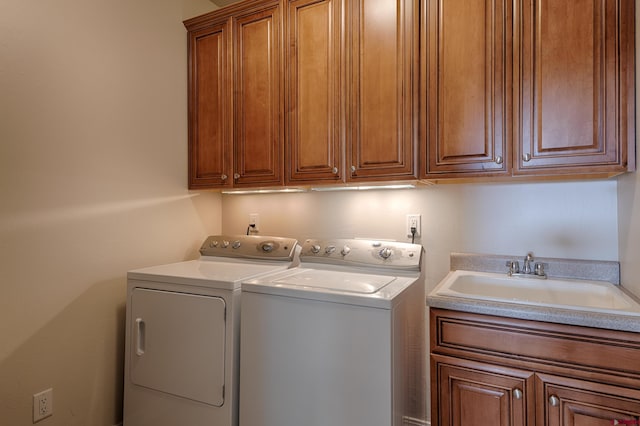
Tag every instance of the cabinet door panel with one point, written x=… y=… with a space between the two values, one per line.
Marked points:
x=210 y=153
x=574 y=91
x=468 y=118
x=258 y=135
x=383 y=72
x=471 y=394
x=568 y=402
x=313 y=92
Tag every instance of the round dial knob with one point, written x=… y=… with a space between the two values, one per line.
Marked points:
x=330 y=249
x=236 y=244
x=385 y=253
x=213 y=244
x=345 y=250
x=267 y=247
x=315 y=248
x=225 y=244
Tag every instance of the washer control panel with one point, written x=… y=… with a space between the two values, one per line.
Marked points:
x=249 y=246
x=358 y=252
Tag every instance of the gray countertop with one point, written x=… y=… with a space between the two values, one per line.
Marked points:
x=624 y=321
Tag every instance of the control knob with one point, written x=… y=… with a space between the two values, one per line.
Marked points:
x=330 y=249
x=225 y=244
x=315 y=248
x=267 y=247
x=345 y=250
x=385 y=253
x=236 y=244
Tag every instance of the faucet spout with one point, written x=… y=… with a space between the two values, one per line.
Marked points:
x=527 y=263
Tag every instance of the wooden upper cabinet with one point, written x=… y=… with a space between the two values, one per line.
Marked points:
x=313 y=76
x=466 y=66
x=576 y=66
x=258 y=101
x=382 y=89
x=210 y=148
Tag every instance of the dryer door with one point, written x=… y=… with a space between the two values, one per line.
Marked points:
x=178 y=343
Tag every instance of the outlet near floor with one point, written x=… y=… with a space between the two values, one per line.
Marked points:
x=42 y=405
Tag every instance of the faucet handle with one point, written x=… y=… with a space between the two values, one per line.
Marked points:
x=538 y=269
x=514 y=267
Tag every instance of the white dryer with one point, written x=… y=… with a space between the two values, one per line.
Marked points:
x=338 y=340
x=182 y=332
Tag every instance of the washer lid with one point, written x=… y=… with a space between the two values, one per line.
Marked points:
x=336 y=281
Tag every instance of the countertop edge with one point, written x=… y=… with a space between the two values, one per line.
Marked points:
x=538 y=313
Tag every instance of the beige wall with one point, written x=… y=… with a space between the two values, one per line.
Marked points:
x=93 y=183
x=629 y=204
x=571 y=219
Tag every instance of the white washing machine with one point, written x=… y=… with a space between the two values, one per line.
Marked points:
x=182 y=342
x=338 y=340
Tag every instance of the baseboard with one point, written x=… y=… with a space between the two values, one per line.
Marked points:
x=410 y=421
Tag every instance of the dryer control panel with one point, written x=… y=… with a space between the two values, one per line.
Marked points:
x=356 y=252
x=250 y=247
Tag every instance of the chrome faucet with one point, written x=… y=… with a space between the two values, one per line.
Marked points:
x=527 y=271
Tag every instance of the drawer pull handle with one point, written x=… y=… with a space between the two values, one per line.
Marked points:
x=517 y=393
x=554 y=401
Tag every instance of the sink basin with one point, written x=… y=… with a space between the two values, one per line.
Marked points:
x=572 y=294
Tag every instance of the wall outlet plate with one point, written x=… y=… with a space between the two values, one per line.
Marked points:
x=414 y=221
x=254 y=219
x=42 y=405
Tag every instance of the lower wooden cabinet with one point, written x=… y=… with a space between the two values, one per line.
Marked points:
x=487 y=370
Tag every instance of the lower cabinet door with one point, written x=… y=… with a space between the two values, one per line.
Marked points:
x=570 y=402
x=477 y=394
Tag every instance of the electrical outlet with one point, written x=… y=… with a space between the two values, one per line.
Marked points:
x=253 y=220
x=413 y=221
x=42 y=405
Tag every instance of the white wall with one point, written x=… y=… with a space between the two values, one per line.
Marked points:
x=93 y=161
x=629 y=206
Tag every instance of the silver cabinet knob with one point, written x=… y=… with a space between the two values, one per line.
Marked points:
x=236 y=175
x=517 y=393
x=334 y=170
x=353 y=169
x=554 y=401
x=499 y=159
x=224 y=177
x=526 y=157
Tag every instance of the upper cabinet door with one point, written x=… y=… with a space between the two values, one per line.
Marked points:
x=314 y=67
x=210 y=117
x=466 y=65
x=382 y=91
x=258 y=100
x=577 y=86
